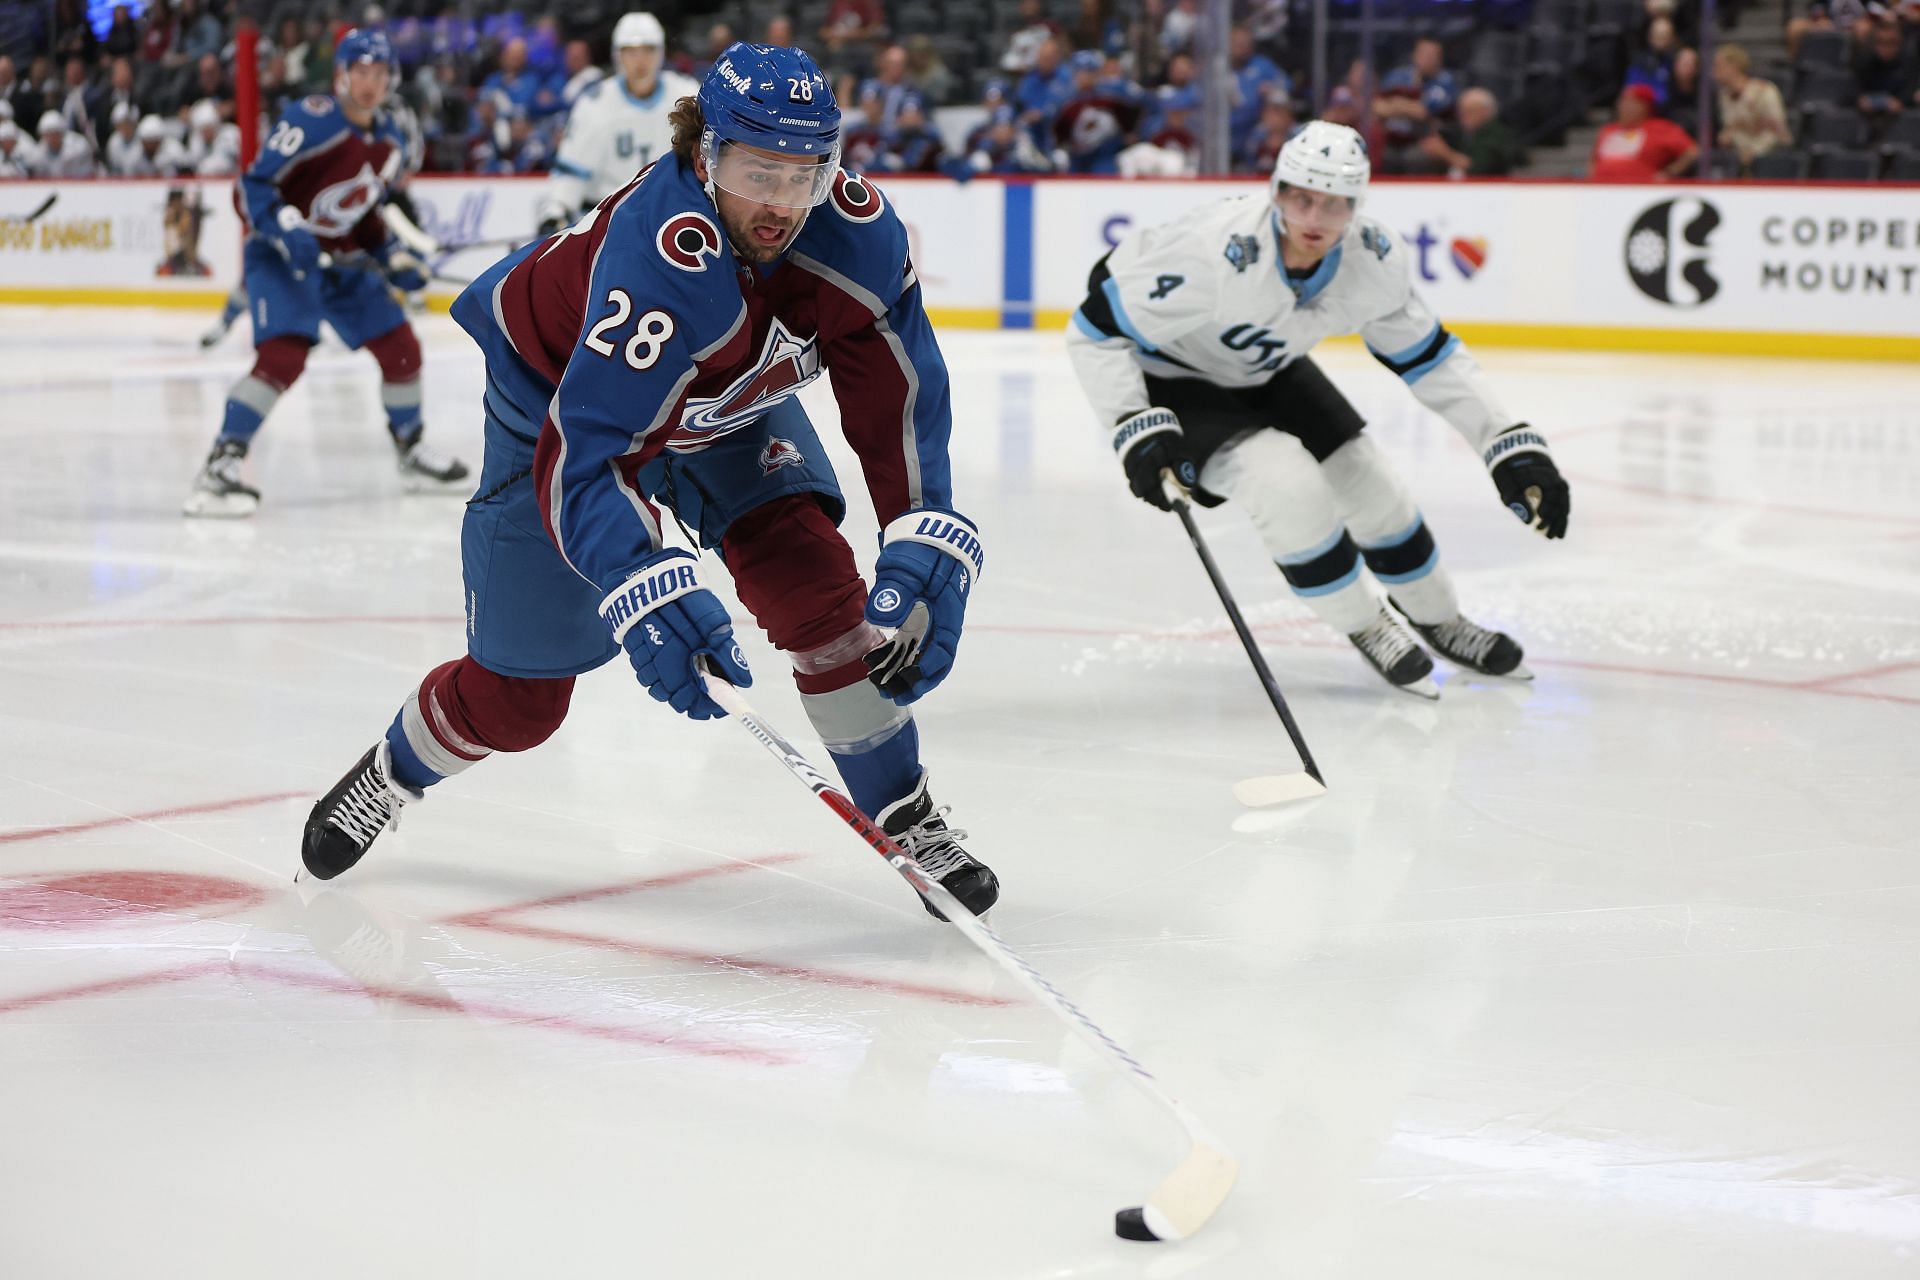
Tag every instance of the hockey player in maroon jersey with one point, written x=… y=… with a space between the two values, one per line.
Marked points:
x=317 y=250
x=649 y=355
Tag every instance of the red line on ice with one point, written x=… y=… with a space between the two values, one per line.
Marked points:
x=771 y=968
x=483 y=917
x=152 y=815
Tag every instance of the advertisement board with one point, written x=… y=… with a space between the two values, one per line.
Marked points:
x=1746 y=268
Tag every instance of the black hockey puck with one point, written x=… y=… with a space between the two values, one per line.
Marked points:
x=1131 y=1224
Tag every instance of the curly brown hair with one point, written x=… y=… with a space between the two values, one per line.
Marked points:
x=687 y=124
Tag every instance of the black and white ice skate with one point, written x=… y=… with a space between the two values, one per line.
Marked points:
x=217 y=331
x=1396 y=655
x=348 y=819
x=218 y=491
x=922 y=831
x=1468 y=644
x=425 y=470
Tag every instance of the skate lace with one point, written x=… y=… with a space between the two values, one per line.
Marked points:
x=1384 y=642
x=936 y=847
x=225 y=468
x=1464 y=639
x=366 y=808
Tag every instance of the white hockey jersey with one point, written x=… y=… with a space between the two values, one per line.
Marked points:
x=611 y=135
x=73 y=160
x=128 y=158
x=1206 y=296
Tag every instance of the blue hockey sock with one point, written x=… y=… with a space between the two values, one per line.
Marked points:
x=408 y=769
x=883 y=772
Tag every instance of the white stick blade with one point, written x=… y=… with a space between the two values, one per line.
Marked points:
x=1278 y=788
x=1182 y=1204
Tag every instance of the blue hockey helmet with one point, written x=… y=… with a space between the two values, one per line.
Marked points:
x=362 y=45
x=774 y=101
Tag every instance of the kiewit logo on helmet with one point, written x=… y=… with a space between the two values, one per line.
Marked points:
x=1667 y=252
x=735 y=81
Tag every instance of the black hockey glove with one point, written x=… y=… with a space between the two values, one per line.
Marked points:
x=1150 y=442
x=1529 y=483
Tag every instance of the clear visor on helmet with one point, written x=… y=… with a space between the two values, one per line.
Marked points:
x=800 y=182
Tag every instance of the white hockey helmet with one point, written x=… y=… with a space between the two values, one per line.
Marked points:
x=52 y=120
x=150 y=129
x=642 y=29
x=1325 y=156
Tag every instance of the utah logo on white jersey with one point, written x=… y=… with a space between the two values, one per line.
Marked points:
x=787 y=363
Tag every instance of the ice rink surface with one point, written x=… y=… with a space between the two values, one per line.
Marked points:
x=1608 y=976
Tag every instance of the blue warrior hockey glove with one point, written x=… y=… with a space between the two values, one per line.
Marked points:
x=1150 y=442
x=404 y=271
x=666 y=620
x=291 y=239
x=929 y=561
x=1529 y=483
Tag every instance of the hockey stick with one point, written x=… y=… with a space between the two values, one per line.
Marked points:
x=1280 y=788
x=41 y=208
x=1190 y=1194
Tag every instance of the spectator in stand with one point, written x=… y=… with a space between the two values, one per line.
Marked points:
x=1177 y=32
x=1041 y=92
x=200 y=32
x=73 y=98
x=1095 y=123
x=1883 y=74
x=579 y=72
x=73 y=33
x=1478 y=144
x=528 y=150
x=159 y=32
x=1753 y=118
x=24 y=95
x=1653 y=65
x=779 y=32
x=1175 y=110
x=928 y=71
x=1683 y=96
x=1255 y=79
x=1343 y=107
x=889 y=86
x=489 y=138
x=851 y=30
x=116 y=93
x=517 y=86
x=122 y=150
x=65 y=152
x=1413 y=101
x=862 y=140
x=1002 y=146
x=19 y=158
x=1850 y=16
x=1639 y=146
x=1276 y=125
x=544 y=48
x=719 y=40
x=213 y=144
x=1098 y=27
x=155 y=154
x=913 y=145
x=1035 y=29
x=209 y=81
x=1181 y=72
x=123 y=35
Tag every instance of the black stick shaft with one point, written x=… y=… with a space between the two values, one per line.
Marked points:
x=1185 y=512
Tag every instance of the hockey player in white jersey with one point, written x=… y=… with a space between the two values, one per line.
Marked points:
x=1192 y=347
x=618 y=126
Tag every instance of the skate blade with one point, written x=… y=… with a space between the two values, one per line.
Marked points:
x=428 y=485
x=214 y=506
x=1424 y=687
x=1279 y=788
x=1519 y=672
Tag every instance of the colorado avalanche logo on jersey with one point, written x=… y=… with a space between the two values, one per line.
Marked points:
x=687 y=240
x=337 y=207
x=780 y=453
x=857 y=199
x=786 y=364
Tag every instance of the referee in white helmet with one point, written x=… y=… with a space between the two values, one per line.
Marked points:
x=618 y=126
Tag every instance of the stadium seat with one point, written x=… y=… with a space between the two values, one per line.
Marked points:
x=1833 y=127
x=1822 y=49
x=1841 y=164
x=1903 y=165
x=1782 y=166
